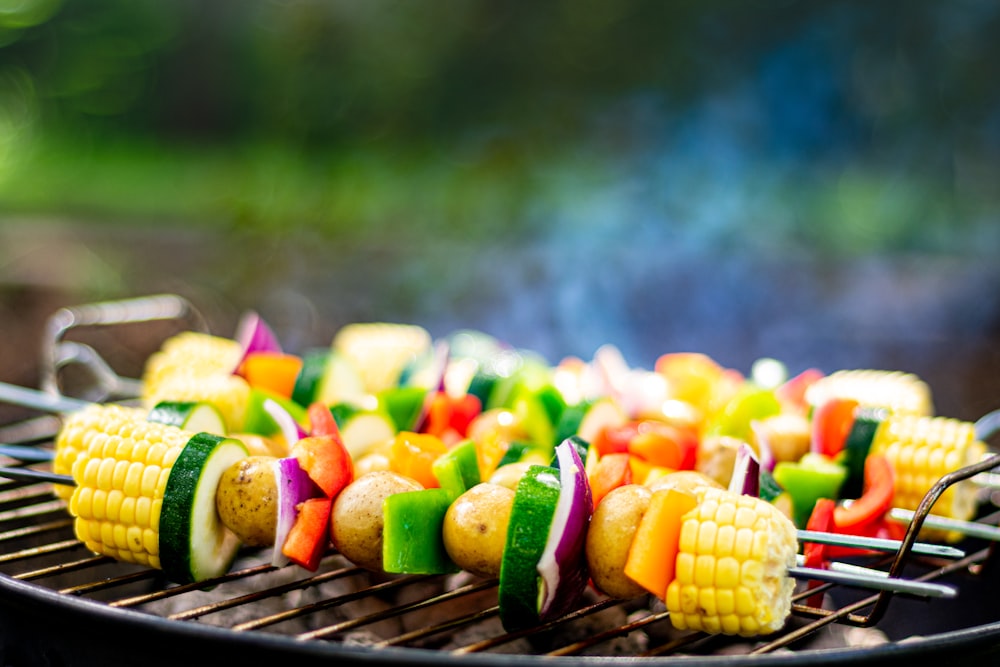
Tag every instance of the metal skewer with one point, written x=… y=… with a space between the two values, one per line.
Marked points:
x=30 y=475
x=26 y=453
x=970 y=528
x=863 y=577
x=39 y=400
x=878 y=544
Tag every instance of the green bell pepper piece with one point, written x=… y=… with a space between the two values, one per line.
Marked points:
x=412 y=541
x=812 y=477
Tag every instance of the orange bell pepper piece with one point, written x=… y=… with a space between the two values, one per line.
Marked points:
x=611 y=471
x=652 y=557
x=413 y=455
x=275 y=371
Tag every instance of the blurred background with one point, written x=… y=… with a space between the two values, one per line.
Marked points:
x=811 y=181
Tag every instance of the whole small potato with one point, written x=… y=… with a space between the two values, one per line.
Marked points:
x=475 y=528
x=247 y=500
x=356 y=521
x=612 y=528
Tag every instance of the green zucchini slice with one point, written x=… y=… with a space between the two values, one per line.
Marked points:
x=194 y=543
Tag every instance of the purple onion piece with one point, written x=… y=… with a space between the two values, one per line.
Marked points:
x=254 y=335
x=746 y=472
x=290 y=428
x=767 y=460
x=442 y=353
x=563 y=566
x=294 y=487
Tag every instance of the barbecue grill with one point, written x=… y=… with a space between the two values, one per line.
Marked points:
x=60 y=604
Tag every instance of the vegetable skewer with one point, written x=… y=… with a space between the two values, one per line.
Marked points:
x=683 y=606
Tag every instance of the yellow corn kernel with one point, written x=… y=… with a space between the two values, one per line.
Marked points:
x=896 y=391
x=117 y=499
x=923 y=449
x=732 y=566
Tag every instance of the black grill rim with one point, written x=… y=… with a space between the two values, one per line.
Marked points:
x=58 y=629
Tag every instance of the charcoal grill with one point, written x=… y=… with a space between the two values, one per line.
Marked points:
x=61 y=605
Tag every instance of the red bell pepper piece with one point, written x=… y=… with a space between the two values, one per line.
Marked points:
x=821 y=520
x=615 y=439
x=817 y=555
x=327 y=462
x=322 y=421
x=307 y=540
x=876 y=500
x=450 y=415
x=832 y=422
x=792 y=394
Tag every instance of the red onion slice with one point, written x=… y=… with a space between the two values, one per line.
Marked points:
x=562 y=566
x=294 y=487
x=746 y=472
x=254 y=335
x=290 y=429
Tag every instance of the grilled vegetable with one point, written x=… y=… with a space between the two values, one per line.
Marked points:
x=612 y=529
x=923 y=449
x=731 y=570
x=381 y=350
x=189 y=415
x=229 y=393
x=412 y=539
x=77 y=432
x=247 y=500
x=898 y=392
x=192 y=366
x=475 y=528
x=145 y=493
x=357 y=520
x=194 y=544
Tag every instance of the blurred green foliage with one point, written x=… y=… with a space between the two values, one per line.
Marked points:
x=851 y=127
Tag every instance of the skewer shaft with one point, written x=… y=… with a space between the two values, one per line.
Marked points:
x=29 y=475
x=26 y=453
x=864 y=578
x=970 y=528
x=39 y=400
x=878 y=544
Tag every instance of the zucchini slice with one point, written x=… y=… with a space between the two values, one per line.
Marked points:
x=194 y=543
x=193 y=416
x=531 y=517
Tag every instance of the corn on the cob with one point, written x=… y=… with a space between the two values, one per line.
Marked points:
x=194 y=353
x=77 y=431
x=896 y=391
x=381 y=350
x=922 y=450
x=121 y=475
x=732 y=566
